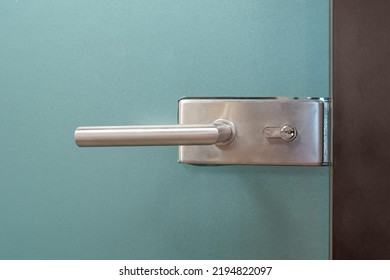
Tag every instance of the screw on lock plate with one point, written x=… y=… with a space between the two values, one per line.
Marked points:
x=286 y=132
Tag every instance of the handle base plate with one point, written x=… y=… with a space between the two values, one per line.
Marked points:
x=250 y=116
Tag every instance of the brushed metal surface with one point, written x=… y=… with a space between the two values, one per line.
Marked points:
x=250 y=117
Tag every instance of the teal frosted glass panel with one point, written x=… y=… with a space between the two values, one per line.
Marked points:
x=70 y=63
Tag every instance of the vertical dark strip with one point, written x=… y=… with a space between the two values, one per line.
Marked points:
x=361 y=95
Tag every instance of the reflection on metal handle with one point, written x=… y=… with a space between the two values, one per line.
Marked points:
x=221 y=132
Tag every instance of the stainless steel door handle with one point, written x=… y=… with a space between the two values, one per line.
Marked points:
x=221 y=132
x=259 y=131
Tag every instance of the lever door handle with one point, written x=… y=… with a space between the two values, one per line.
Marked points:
x=272 y=131
x=220 y=132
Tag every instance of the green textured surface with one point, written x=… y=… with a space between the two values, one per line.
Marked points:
x=70 y=63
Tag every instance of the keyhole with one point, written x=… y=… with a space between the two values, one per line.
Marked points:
x=288 y=132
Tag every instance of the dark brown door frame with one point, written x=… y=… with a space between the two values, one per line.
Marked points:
x=361 y=129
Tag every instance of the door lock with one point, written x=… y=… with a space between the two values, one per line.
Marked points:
x=286 y=132
x=226 y=131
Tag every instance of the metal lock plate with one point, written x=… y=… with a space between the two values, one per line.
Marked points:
x=268 y=131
